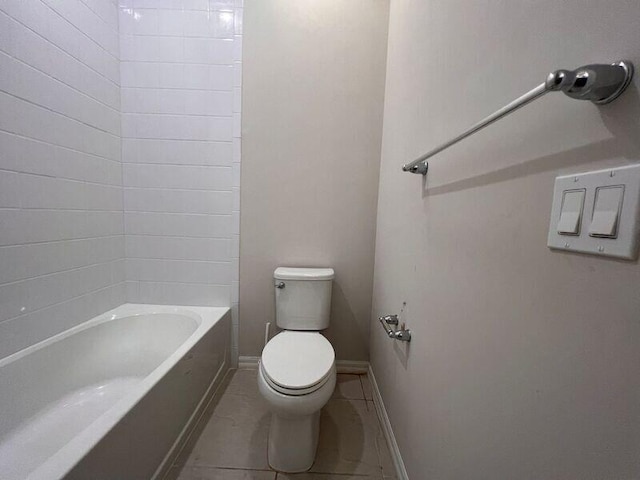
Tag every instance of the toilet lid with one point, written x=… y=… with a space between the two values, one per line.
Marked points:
x=297 y=360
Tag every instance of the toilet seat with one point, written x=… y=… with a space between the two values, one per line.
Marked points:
x=297 y=363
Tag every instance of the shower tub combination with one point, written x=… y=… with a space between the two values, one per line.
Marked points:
x=112 y=398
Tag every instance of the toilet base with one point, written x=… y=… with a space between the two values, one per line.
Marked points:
x=293 y=441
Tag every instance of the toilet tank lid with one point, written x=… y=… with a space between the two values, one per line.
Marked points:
x=291 y=273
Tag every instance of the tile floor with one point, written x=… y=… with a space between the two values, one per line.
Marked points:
x=230 y=442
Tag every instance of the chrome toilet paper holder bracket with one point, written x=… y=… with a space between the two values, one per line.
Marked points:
x=402 y=334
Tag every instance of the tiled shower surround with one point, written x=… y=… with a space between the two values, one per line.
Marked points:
x=180 y=83
x=120 y=163
x=61 y=214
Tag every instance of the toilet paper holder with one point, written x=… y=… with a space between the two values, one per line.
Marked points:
x=403 y=334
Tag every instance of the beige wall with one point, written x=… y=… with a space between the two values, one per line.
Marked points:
x=525 y=362
x=311 y=131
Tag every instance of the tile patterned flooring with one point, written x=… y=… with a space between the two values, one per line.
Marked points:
x=230 y=441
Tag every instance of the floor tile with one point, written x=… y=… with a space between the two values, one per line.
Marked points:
x=366 y=387
x=230 y=442
x=244 y=382
x=347 y=445
x=348 y=386
x=207 y=473
x=323 y=476
x=235 y=435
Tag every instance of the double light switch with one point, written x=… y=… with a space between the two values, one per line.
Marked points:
x=597 y=212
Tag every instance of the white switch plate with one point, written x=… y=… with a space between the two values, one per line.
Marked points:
x=625 y=245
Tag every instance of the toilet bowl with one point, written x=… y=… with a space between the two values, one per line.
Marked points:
x=297 y=372
x=295 y=407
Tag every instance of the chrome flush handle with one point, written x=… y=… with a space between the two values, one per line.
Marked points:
x=280 y=285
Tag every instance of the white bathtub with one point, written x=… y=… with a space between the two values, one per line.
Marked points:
x=111 y=398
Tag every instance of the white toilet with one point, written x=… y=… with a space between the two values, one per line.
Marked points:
x=297 y=372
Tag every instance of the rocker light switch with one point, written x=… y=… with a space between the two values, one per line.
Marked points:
x=597 y=213
x=606 y=209
x=571 y=212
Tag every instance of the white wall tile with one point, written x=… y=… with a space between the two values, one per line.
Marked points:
x=63 y=212
x=180 y=271
x=235 y=191
x=237 y=150
x=237 y=74
x=235 y=182
x=61 y=207
x=235 y=246
x=237 y=99
x=176 y=127
x=30 y=156
x=183 y=294
x=21 y=226
x=222 y=24
x=237 y=48
x=195 y=4
x=165 y=4
x=29 y=328
x=29 y=120
x=26 y=82
x=221 y=4
x=196 y=23
x=105 y=11
x=238 y=18
x=7 y=34
x=10 y=192
x=208 y=50
x=177 y=176
x=177 y=101
x=176 y=75
x=175 y=224
x=235 y=222
x=235 y=291
x=172 y=22
x=141 y=21
x=178 y=201
x=176 y=152
x=178 y=248
x=235 y=269
x=180 y=63
x=237 y=125
x=37 y=52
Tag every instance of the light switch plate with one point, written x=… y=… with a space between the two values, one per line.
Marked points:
x=626 y=243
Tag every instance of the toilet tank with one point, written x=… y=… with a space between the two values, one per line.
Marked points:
x=303 y=297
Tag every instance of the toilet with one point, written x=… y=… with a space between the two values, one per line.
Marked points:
x=297 y=372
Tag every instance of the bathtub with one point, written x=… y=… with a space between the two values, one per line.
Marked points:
x=112 y=398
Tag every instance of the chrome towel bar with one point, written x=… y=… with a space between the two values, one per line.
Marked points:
x=599 y=83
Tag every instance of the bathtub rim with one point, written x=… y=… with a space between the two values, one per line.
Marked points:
x=65 y=459
x=124 y=310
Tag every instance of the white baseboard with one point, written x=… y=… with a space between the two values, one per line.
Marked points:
x=352 y=366
x=342 y=366
x=398 y=463
x=248 y=363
